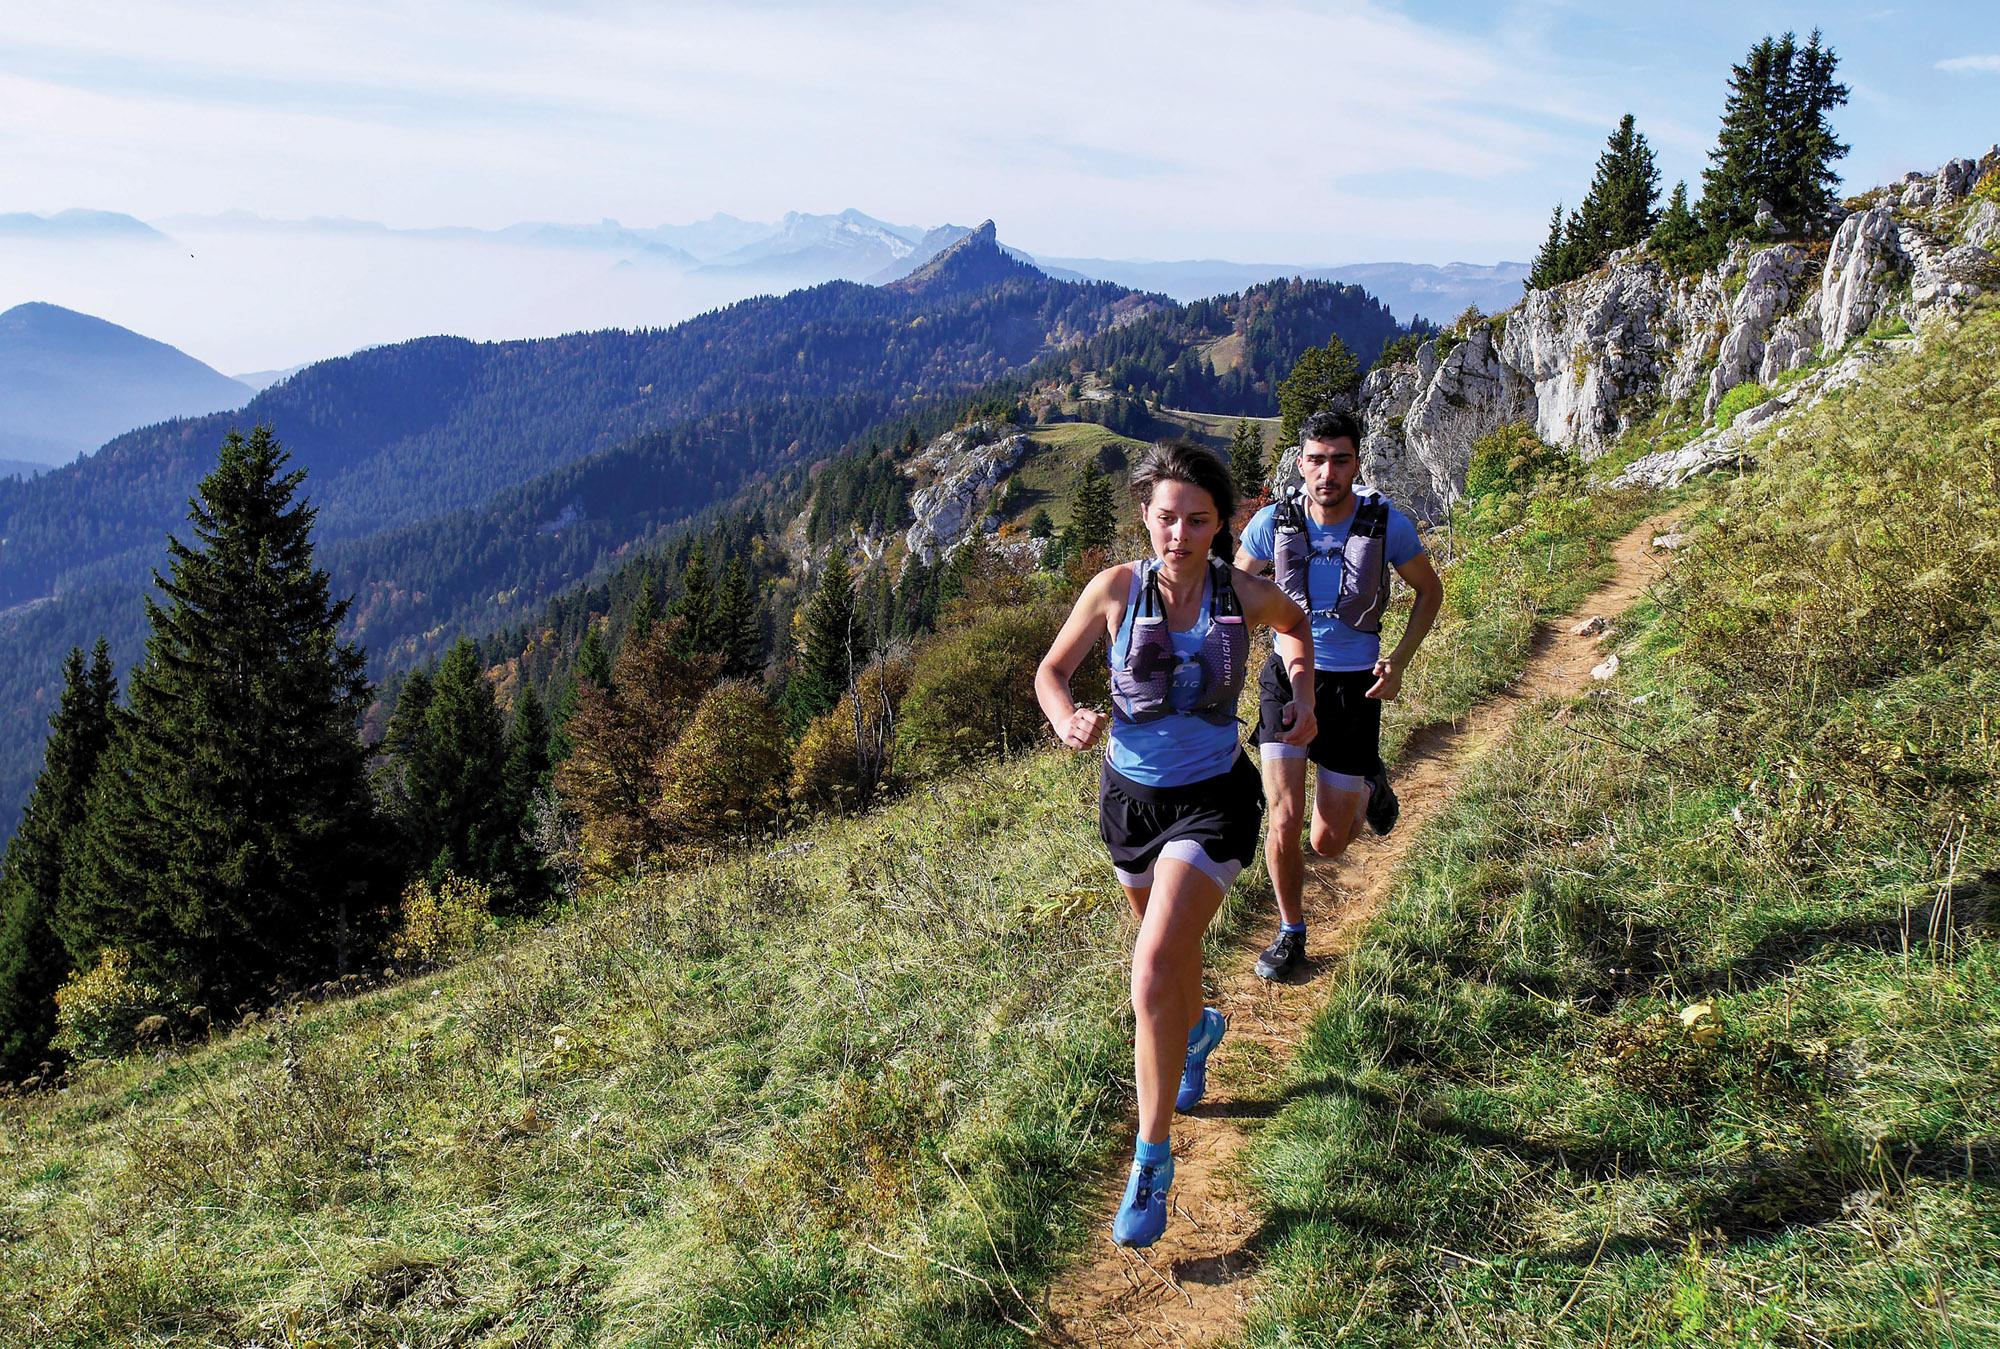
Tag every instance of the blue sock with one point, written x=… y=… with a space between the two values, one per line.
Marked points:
x=1292 y=927
x=1152 y=1154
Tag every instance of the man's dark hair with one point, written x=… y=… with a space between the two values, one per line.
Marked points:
x=1196 y=465
x=1330 y=424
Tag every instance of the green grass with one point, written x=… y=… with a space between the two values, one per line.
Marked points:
x=775 y=1100
x=1683 y=1024
x=1050 y=472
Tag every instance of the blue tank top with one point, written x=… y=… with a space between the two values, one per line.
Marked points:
x=1172 y=751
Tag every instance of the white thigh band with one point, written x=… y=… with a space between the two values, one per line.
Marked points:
x=1341 y=782
x=1186 y=850
x=1268 y=750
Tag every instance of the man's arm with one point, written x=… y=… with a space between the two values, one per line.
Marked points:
x=1250 y=562
x=1421 y=577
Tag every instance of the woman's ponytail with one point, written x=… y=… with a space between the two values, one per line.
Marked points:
x=1224 y=546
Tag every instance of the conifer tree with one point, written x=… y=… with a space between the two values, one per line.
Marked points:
x=828 y=634
x=1093 y=522
x=1550 y=268
x=403 y=744
x=1041 y=527
x=1679 y=243
x=593 y=662
x=1324 y=377
x=460 y=820
x=527 y=776
x=1246 y=460
x=738 y=640
x=1807 y=145
x=1776 y=146
x=33 y=960
x=528 y=764
x=696 y=606
x=1619 y=209
x=231 y=838
x=645 y=611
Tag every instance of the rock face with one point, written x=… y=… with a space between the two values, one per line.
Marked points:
x=1586 y=362
x=959 y=471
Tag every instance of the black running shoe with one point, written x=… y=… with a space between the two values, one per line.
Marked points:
x=1383 y=807
x=1282 y=956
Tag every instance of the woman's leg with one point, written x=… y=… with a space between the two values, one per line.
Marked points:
x=1166 y=985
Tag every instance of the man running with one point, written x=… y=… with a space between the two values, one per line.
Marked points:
x=1330 y=549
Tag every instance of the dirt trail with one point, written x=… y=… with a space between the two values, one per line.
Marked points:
x=1193 y=1287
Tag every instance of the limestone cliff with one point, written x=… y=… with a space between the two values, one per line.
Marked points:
x=1588 y=361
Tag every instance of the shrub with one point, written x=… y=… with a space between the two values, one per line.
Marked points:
x=972 y=692
x=726 y=772
x=98 y=1010
x=442 y=921
x=829 y=767
x=1740 y=400
x=1988 y=187
x=1509 y=460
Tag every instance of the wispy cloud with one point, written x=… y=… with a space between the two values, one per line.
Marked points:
x=1960 y=65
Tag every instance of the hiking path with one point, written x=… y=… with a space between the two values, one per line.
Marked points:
x=1195 y=1285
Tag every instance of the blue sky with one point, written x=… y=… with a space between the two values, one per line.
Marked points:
x=1302 y=132
x=1256 y=130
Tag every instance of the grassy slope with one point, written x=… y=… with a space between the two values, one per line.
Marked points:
x=1505 y=1072
x=753 y=1090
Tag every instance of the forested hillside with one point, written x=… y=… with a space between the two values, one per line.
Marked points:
x=401 y=433
x=791 y=382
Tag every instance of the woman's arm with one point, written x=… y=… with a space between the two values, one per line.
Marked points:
x=1078 y=727
x=1291 y=635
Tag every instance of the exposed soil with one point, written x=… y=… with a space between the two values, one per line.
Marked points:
x=1194 y=1286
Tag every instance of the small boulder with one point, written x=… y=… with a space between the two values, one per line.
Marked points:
x=1670 y=541
x=1590 y=626
x=152 y=1028
x=1608 y=669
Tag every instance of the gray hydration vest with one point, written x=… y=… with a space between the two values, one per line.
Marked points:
x=1141 y=688
x=1364 y=561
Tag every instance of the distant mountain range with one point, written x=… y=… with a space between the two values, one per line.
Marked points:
x=70 y=382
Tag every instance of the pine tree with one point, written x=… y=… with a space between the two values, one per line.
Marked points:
x=1549 y=269
x=1246 y=460
x=1041 y=527
x=593 y=667
x=696 y=606
x=1806 y=144
x=1743 y=163
x=828 y=634
x=1680 y=244
x=1093 y=521
x=403 y=743
x=738 y=639
x=460 y=820
x=645 y=611
x=33 y=960
x=231 y=839
x=1324 y=377
x=527 y=776
x=593 y=663
x=1619 y=209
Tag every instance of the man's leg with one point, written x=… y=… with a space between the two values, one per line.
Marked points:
x=1340 y=808
x=1285 y=800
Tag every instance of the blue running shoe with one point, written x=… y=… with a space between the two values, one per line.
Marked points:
x=1143 y=1216
x=1194 y=1077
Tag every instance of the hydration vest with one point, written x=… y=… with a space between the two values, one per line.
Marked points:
x=1364 y=558
x=1141 y=689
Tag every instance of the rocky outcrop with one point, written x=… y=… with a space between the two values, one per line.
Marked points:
x=958 y=472
x=1587 y=361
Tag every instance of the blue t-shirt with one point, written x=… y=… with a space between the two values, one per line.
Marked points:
x=1173 y=751
x=1335 y=645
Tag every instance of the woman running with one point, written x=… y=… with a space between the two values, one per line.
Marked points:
x=1180 y=804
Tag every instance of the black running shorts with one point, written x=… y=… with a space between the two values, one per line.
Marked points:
x=1350 y=722
x=1211 y=825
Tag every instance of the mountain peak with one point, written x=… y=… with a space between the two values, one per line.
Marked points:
x=974 y=262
